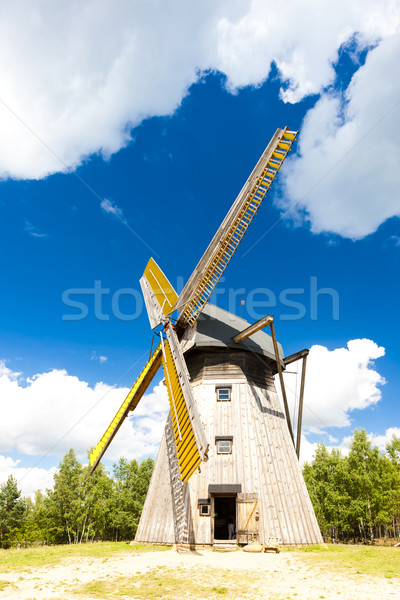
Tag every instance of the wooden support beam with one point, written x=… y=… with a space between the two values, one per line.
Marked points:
x=296 y=356
x=300 y=415
x=253 y=329
x=278 y=364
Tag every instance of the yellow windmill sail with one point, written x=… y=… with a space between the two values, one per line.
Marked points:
x=187 y=448
x=214 y=261
x=159 y=295
x=140 y=386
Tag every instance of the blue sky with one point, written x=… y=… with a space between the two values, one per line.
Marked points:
x=151 y=171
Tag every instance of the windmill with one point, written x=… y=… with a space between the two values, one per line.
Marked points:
x=227 y=461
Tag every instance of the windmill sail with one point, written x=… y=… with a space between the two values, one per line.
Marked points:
x=190 y=441
x=130 y=403
x=159 y=295
x=214 y=261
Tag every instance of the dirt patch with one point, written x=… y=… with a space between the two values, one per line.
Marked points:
x=197 y=575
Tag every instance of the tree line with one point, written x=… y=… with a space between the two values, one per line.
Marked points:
x=79 y=508
x=356 y=497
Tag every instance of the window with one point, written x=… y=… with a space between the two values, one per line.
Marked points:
x=224 y=445
x=223 y=394
x=205 y=510
x=204 y=506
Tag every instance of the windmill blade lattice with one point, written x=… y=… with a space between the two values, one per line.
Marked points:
x=131 y=401
x=214 y=261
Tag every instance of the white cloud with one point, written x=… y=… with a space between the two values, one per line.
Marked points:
x=383 y=439
x=110 y=207
x=308 y=449
x=33 y=230
x=395 y=240
x=301 y=38
x=338 y=382
x=347 y=178
x=52 y=412
x=76 y=77
x=29 y=479
x=100 y=358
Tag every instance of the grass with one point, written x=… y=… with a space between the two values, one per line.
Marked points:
x=366 y=560
x=163 y=584
x=4 y=584
x=46 y=556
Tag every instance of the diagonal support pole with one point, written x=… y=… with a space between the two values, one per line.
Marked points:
x=301 y=400
x=278 y=364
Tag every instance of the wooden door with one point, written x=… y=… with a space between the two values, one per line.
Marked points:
x=247 y=518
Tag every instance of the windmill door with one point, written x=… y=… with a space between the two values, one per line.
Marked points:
x=247 y=518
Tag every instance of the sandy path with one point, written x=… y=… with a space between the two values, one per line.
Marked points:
x=284 y=575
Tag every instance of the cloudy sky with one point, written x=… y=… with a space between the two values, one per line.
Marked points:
x=127 y=129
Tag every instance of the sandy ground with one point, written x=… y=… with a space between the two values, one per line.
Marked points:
x=272 y=575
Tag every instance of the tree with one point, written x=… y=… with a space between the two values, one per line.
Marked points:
x=64 y=504
x=356 y=495
x=393 y=450
x=12 y=511
x=97 y=490
x=80 y=507
x=131 y=482
x=327 y=481
x=34 y=529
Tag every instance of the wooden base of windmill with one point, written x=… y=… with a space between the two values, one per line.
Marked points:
x=258 y=487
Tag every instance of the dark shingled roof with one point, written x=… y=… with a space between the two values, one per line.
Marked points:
x=216 y=327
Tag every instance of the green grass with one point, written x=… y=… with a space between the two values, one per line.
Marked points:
x=366 y=560
x=164 y=584
x=4 y=584
x=46 y=556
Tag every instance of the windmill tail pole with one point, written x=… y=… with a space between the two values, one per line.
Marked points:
x=301 y=400
x=278 y=364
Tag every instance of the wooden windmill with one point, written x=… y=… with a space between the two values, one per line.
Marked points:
x=227 y=464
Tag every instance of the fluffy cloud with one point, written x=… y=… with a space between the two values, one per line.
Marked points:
x=337 y=383
x=307 y=448
x=301 y=38
x=52 y=412
x=76 y=77
x=29 y=479
x=347 y=178
x=110 y=207
x=382 y=440
x=100 y=358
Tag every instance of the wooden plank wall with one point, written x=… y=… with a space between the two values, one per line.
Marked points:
x=263 y=458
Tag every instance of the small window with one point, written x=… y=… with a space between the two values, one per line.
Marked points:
x=224 y=446
x=223 y=394
x=205 y=510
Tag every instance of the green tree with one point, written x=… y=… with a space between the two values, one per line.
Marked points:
x=35 y=526
x=393 y=450
x=97 y=490
x=12 y=512
x=327 y=481
x=365 y=466
x=64 y=503
x=356 y=495
x=131 y=482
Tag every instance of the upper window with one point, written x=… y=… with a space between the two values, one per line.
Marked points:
x=224 y=394
x=224 y=446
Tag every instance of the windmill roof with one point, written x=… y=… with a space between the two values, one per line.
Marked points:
x=216 y=327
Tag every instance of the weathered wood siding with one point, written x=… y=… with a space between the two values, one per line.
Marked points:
x=263 y=459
